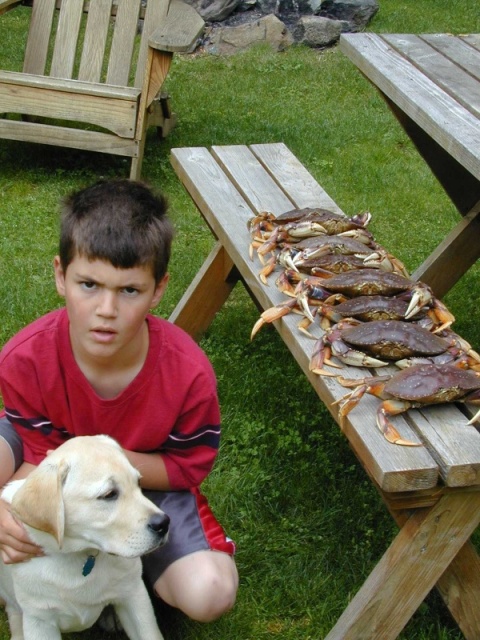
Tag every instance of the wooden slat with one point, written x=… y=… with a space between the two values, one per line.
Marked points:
x=113 y=115
x=442 y=70
x=292 y=177
x=68 y=137
x=130 y=94
x=155 y=14
x=442 y=117
x=257 y=186
x=457 y=50
x=96 y=33
x=39 y=37
x=473 y=40
x=227 y=212
x=126 y=24
x=68 y=29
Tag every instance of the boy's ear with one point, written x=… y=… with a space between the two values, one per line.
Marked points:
x=159 y=290
x=59 y=276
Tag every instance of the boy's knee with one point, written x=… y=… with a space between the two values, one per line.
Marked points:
x=203 y=596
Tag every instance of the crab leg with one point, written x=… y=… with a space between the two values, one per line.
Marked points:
x=272 y=314
x=421 y=295
x=392 y=408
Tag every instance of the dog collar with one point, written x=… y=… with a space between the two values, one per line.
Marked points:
x=88 y=566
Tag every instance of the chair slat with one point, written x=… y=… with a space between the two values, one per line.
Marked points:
x=155 y=14
x=66 y=39
x=94 y=44
x=126 y=25
x=38 y=37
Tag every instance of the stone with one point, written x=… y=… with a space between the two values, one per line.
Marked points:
x=315 y=31
x=215 y=10
x=357 y=13
x=229 y=40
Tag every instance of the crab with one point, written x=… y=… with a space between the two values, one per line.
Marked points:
x=269 y=231
x=411 y=388
x=363 y=344
x=313 y=291
x=370 y=282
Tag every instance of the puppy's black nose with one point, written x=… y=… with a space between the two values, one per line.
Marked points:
x=159 y=523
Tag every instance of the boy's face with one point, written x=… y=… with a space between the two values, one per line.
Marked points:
x=107 y=307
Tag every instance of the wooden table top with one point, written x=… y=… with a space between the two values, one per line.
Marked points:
x=433 y=78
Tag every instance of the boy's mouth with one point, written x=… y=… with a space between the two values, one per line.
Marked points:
x=102 y=334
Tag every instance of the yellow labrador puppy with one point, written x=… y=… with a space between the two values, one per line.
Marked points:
x=84 y=507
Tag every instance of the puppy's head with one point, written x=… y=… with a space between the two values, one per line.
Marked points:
x=86 y=495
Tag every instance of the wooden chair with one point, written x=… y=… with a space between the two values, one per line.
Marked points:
x=85 y=63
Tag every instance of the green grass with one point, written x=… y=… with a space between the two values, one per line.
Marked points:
x=308 y=524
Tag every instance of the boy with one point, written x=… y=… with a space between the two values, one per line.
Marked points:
x=104 y=364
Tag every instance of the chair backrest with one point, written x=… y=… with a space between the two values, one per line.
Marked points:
x=94 y=41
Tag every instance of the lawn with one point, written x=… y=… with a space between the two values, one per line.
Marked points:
x=308 y=524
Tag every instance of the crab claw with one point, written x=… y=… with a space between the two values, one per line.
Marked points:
x=272 y=314
x=475 y=418
x=421 y=295
x=388 y=408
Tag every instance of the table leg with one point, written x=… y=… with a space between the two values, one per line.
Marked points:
x=453 y=257
x=412 y=565
x=207 y=293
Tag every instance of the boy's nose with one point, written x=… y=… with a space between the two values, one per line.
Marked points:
x=107 y=305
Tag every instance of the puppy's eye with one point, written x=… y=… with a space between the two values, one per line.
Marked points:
x=110 y=495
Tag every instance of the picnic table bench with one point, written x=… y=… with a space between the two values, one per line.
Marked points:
x=432 y=491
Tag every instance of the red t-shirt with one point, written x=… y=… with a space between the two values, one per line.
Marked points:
x=170 y=407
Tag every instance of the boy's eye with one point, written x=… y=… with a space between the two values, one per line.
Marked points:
x=130 y=291
x=87 y=284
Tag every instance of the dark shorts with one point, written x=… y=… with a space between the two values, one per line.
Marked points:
x=13 y=440
x=193 y=526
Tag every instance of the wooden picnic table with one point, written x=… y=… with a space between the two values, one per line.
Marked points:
x=432 y=491
x=431 y=83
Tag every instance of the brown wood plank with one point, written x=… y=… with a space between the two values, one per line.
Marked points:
x=113 y=115
x=460 y=589
x=442 y=117
x=67 y=137
x=409 y=569
x=155 y=14
x=227 y=212
x=121 y=52
x=6 y=5
x=94 y=44
x=453 y=256
x=130 y=94
x=207 y=293
x=39 y=37
x=66 y=39
x=459 y=84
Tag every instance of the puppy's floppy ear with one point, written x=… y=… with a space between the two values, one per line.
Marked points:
x=39 y=501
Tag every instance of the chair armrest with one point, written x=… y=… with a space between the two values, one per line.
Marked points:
x=6 y=5
x=182 y=26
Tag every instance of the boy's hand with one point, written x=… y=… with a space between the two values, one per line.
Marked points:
x=15 y=545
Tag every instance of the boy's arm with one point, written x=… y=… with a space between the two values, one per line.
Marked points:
x=15 y=545
x=152 y=469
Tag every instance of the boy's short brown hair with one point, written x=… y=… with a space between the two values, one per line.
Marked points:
x=120 y=221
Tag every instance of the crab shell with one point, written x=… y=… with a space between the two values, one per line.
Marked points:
x=367 y=282
x=369 y=308
x=394 y=339
x=432 y=383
